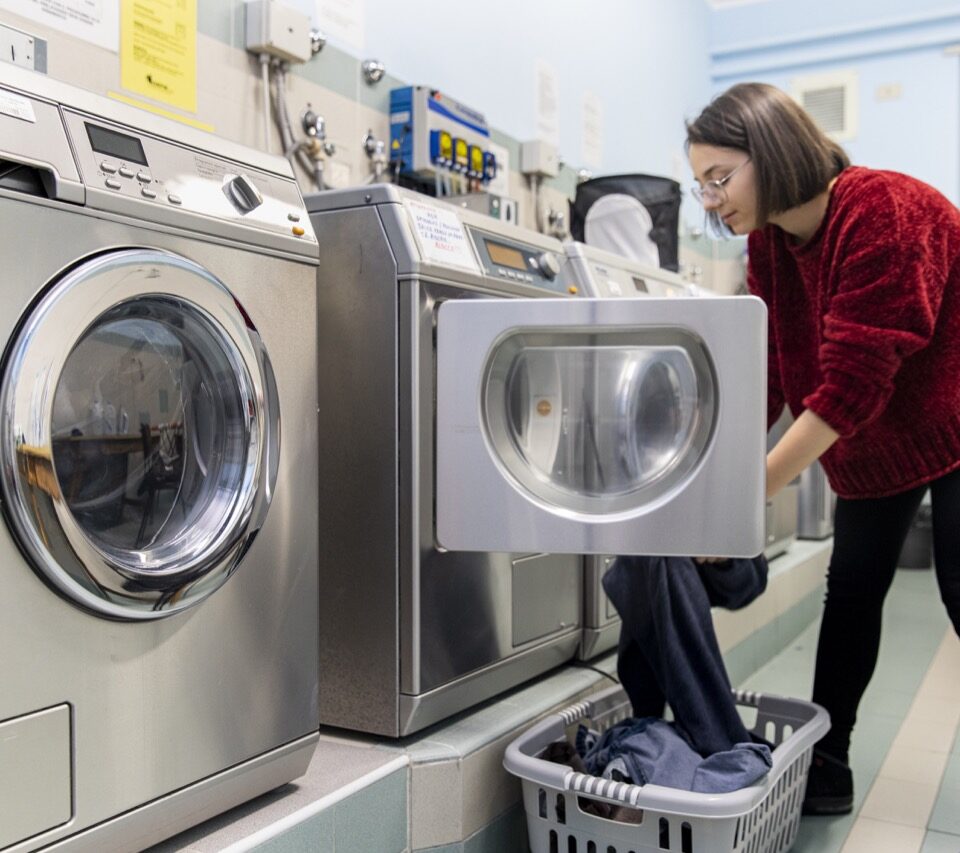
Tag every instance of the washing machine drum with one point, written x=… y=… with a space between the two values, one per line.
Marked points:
x=139 y=434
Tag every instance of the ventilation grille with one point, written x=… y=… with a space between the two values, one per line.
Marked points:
x=827 y=108
x=832 y=101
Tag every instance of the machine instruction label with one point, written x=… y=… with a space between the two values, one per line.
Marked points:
x=440 y=236
x=158 y=51
x=16 y=106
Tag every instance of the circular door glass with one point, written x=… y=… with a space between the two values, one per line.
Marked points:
x=139 y=434
x=150 y=433
x=599 y=423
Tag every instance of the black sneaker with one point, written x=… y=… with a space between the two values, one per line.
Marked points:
x=829 y=786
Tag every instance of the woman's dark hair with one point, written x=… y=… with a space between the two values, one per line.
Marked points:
x=793 y=159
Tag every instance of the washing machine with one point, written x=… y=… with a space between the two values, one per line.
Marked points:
x=492 y=426
x=158 y=549
x=606 y=275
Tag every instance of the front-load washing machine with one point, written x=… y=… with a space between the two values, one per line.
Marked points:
x=158 y=550
x=604 y=275
x=491 y=426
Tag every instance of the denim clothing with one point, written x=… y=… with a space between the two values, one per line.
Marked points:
x=668 y=649
x=651 y=751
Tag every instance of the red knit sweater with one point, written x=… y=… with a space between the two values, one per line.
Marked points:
x=865 y=330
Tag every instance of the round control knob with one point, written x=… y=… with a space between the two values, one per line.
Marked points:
x=549 y=265
x=243 y=193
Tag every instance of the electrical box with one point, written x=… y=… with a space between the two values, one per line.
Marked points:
x=431 y=132
x=23 y=49
x=278 y=30
x=539 y=158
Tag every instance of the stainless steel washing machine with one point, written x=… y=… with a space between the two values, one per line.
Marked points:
x=158 y=551
x=817 y=504
x=783 y=508
x=482 y=444
x=605 y=275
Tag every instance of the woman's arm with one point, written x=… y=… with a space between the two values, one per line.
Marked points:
x=808 y=438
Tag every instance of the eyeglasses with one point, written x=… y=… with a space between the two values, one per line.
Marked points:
x=715 y=192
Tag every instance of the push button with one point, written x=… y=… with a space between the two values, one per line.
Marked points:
x=174 y=199
x=144 y=177
x=108 y=167
x=126 y=172
x=293 y=217
x=146 y=192
x=297 y=231
x=112 y=183
x=573 y=290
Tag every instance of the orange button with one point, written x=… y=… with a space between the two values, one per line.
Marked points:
x=572 y=289
x=297 y=230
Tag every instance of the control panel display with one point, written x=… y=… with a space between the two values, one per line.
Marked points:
x=506 y=256
x=115 y=144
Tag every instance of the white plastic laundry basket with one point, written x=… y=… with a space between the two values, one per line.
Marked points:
x=760 y=819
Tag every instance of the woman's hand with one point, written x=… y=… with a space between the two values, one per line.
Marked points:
x=808 y=438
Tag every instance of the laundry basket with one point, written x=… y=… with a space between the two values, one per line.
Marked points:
x=760 y=819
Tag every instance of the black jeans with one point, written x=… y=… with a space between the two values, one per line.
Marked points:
x=868 y=536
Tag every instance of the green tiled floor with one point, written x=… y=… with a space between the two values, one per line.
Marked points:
x=914 y=625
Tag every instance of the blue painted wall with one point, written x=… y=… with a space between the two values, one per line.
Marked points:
x=886 y=42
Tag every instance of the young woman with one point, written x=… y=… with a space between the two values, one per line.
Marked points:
x=860 y=271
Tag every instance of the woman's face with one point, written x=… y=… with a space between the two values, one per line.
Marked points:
x=728 y=184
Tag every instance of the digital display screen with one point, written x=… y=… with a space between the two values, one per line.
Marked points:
x=640 y=285
x=115 y=144
x=506 y=256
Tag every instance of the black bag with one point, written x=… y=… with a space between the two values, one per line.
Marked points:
x=660 y=196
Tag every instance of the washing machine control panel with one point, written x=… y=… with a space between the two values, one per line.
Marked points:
x=604 y=275
x=124 y=169
x=508 y=260
x=612 y=282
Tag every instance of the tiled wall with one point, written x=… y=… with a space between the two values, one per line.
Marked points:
x=229 y=96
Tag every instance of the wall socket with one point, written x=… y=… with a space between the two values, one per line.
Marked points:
x=23 y=49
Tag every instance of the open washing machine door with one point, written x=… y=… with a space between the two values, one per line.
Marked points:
x=633 y=426
x=140 y=434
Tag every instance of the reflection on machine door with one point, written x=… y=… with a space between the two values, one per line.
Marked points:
x=601 y=421
x=590 y=420
x=148 y=426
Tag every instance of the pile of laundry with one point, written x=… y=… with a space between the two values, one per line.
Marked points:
x=669 y=655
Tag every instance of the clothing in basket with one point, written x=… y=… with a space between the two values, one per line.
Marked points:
x=668 y=650
x=651 y=751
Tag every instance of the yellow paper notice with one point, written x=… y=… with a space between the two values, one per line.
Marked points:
x=158 y=50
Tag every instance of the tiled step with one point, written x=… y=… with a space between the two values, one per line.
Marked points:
x=445 y=789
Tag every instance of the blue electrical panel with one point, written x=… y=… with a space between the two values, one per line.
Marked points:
x=431 y=133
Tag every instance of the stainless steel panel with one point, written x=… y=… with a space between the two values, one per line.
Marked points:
x=389 y=201
x=781 y=526
x=41 y=143
x=35 y=774
x=601 y=623
x=545 y=599
x=482 y=507
x=817 y=502
x=52 y=90
x=425 y=709
x=456 y=605
x=161 y=705
x=409 y=633
x=359 y=474
x=201 y=181
x=144 y=827
x=607 y=275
